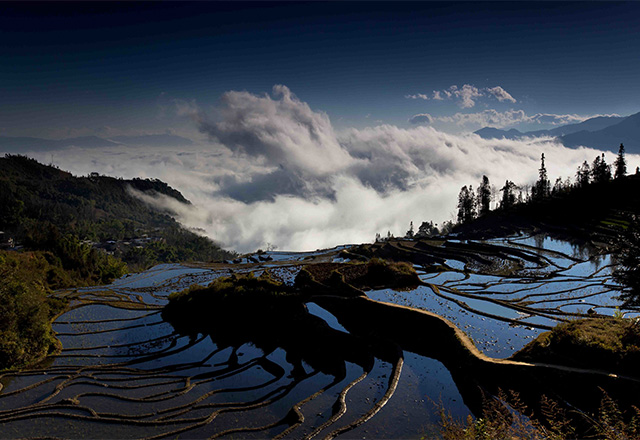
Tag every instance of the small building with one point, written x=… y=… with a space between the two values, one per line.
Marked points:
x=6 y=242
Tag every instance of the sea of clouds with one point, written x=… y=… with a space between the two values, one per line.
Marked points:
x=276 y=172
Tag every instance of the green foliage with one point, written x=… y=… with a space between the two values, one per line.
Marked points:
x=27 y=306
x=390 y=268
x=612 y=344
x=87 y=266
x=235 y=288
x=45 y=208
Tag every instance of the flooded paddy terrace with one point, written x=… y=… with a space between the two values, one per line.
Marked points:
x=124 y=372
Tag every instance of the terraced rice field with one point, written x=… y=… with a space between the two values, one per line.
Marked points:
x=125 y=373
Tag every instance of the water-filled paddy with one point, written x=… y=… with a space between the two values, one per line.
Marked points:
x=124 y=372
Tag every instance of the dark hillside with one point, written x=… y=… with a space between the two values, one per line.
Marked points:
x=597 y=213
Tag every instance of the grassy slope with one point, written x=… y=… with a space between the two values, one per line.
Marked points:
x=611 y=344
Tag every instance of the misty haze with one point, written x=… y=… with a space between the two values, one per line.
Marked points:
x=319 y=220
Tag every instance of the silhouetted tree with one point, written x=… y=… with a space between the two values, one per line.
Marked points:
x=620 y=164
x=583 y=176
x=542 y=188
x=466 y=204
x=484 y=196
x=508 y=195
x=427 y=229
x=558 y=187
x=447 y=227
x=628 y=257
x=410 y=232
x=600 y=171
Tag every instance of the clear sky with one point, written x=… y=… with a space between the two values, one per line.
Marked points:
x=76 y=68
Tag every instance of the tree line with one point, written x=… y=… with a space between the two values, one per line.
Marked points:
x=473 y=204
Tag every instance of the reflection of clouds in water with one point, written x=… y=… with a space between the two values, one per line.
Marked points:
x=277 y=172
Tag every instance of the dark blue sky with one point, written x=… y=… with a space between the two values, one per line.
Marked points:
x=71 y=68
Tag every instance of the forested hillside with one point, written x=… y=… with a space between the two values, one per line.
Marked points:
x=44 y=207
x=61 y=231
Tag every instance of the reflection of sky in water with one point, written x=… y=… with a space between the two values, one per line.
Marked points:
x=331 y=320
x=411 y=412
x=493 y=337
x=146 y=353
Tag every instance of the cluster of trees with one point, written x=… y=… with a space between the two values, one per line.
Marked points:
x=474 y=204
x=55 y=216
x=477 y=203
x=42 y=206
x=26 y=306
x=471 y=204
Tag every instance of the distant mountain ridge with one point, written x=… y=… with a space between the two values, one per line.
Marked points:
x=626 y=132
x=602 y=132
x=10 y=144
x=153 y=140
x=18 y=144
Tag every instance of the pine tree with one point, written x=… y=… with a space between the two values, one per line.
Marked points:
x=600 y=171
x=508 y=195
x=410 y=232
x=558 y=187
x=542 y=188
x=484 y=196
x=620 y=164
x=583 y=176
x=466 y=205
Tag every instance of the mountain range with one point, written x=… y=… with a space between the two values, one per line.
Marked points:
x=602 y=132
x=24 y=144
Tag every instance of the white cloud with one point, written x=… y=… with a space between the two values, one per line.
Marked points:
x=467 y=95
x=500 y=94
x=282 y=130
x=421 y=118
x=278 y=173
x=418 y=96
x=494 y=118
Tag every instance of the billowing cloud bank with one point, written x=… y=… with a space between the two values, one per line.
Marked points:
x=276 y=172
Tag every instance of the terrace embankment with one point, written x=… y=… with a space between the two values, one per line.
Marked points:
x=477 y=375
x=266 y=312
